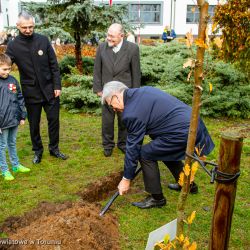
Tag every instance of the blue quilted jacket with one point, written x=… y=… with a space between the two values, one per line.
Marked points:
x=12 y=108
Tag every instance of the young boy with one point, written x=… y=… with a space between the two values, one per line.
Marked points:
x=12 y=113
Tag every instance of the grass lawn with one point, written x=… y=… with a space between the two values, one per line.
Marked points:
x=55 y=180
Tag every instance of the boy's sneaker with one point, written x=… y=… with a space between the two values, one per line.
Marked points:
x=8 y=176
x=20 y=169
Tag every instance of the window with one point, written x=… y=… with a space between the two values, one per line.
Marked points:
x=149 y=13
x=193 y=13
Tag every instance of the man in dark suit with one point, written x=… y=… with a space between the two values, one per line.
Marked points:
x=150 y=111
x=41 y=83
x=116 y=59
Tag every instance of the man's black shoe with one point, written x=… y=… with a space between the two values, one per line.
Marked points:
x=58 y=154
x=123 y=150
x=177 y=187
x=37 y=158
x=150 y=202
x=107 y=152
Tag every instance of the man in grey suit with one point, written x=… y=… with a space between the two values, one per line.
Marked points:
x=116 y=59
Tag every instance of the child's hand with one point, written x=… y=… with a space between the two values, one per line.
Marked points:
x=22 y=122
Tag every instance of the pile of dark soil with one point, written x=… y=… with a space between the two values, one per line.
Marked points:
x=78 y=227
x=67 y=225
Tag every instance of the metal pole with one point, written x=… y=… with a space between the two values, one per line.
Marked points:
x=139 y=13
x=174 y=14
x=171 y=14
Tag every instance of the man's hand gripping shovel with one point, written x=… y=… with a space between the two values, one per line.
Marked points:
x=110 y=202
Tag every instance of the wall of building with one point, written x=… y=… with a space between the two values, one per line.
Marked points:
x=10 y=10
x=174 y=14
x=155 y=30
x=181 y=27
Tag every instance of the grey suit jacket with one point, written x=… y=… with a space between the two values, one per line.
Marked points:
x=123 y=67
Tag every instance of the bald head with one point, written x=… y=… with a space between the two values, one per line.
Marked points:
x=115 y=34
x=116 y=27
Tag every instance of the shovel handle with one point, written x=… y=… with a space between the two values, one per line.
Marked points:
x=105 y=209
x=112 y=199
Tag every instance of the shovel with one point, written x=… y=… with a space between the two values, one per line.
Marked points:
x=109 y=203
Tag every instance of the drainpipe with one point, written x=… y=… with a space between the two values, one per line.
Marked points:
x=171 y=14
x=174 y=14
x=139 y=33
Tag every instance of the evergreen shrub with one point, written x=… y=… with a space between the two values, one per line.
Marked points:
x=67 y=62
x=79 y=96
x=164 y=63
x=80 y=99
x=85 y=81
x=88 y=65
x=162 y=66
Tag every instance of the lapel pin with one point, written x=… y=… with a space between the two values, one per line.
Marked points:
x=40 y=52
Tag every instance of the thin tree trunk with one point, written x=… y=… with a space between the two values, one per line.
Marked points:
x=198 y=75
x=78 y=52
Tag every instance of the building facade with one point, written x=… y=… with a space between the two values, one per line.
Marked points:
x=152 y=16
x=9 y=10
x=8 y=13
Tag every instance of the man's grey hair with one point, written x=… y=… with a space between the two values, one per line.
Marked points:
x=112 y=88
x=25 y=15
x=118 y=27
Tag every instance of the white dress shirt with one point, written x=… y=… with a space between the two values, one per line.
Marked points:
x=117 y=47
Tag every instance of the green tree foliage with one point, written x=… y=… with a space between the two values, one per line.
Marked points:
x=68 y=62
x=164 y=64
x=79 y=97
x=79 y=18
x=162 y=67
x=55 y=32
x=231 y=90
x=233 y=19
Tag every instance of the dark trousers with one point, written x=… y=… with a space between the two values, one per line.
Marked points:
x=34 y=111
x=151 y=174
x=108 y=120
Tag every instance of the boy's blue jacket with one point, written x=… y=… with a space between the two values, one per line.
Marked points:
x=12 y=107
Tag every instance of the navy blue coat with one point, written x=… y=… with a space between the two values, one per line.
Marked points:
x=12 y=108
x=150 y=111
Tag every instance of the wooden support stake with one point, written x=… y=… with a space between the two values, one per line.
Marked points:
x=229 y=162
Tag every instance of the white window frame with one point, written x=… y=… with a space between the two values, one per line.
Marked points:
x=140 y=20
x=196 y=13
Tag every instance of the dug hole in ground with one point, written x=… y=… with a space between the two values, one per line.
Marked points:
x=67 y=225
